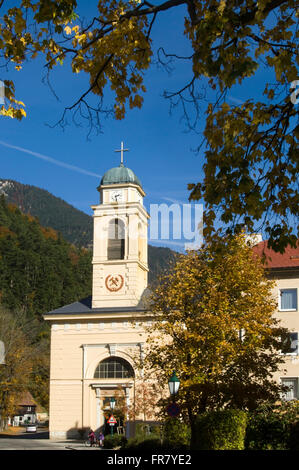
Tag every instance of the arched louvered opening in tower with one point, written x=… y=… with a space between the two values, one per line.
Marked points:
x=116 y=240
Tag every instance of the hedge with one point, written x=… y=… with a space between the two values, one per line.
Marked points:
x=220 y=430
x=175 y=436
x=114 y=440
x=149 y=443
x=144 y=429
x=269 y=432
x=274 y=427
x=293 y=443
x=176 y=433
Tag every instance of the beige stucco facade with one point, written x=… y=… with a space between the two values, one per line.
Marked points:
x=112 y=323
x=287 y=279
x=81 y=341
x=133 y=268
x=78 y=345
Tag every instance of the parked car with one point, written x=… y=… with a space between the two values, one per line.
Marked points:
x=31 y=428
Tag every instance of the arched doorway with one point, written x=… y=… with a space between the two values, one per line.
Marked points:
x=116 y=379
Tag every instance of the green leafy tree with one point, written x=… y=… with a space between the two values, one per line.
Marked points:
x=39 y=385
x=215 y=327
x=249 y=150
x=15 y=374
x=26 y=365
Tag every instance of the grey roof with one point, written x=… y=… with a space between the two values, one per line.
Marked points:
x=84 y=306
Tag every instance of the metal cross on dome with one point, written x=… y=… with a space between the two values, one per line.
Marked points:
x=122 y=150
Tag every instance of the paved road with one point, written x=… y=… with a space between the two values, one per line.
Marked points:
x=38 y=441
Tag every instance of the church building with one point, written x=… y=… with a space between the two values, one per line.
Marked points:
x=95 y=341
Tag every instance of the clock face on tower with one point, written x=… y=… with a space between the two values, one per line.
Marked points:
x=116 y=196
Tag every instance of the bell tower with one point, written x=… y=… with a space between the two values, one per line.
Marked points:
x=120 y=265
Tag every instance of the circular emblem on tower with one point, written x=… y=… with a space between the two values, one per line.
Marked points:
x=114 y=282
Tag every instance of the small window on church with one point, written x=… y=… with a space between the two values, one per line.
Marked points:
x=116 y=239
x=114 y=368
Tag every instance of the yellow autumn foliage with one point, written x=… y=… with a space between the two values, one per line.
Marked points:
x=215 y=327
x=229 y=41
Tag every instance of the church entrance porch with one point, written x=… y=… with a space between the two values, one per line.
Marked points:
x=121 y=393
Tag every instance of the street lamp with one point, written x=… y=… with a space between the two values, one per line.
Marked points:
x=174 y=385
x=112 y=403
x=112 y=406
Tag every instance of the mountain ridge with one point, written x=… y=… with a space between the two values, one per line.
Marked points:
x=51 y=211
x=74 y=225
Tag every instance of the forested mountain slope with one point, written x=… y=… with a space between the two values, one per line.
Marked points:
x=75 y=226
x=39 y=270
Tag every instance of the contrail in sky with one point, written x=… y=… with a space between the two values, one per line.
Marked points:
x=49 y=159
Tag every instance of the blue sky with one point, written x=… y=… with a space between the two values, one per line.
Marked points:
x=161 y=150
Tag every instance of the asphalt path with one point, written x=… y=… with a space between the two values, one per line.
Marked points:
x=39 y=441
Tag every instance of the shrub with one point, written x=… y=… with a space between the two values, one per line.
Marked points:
x=220 y=430
x=143 y=430
x=149 y=442
x=293 y=443
x=176 y=433
x=273 y=427
x=131 y=442
x=114 y=440
x=267 y=432
x=152 y=442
